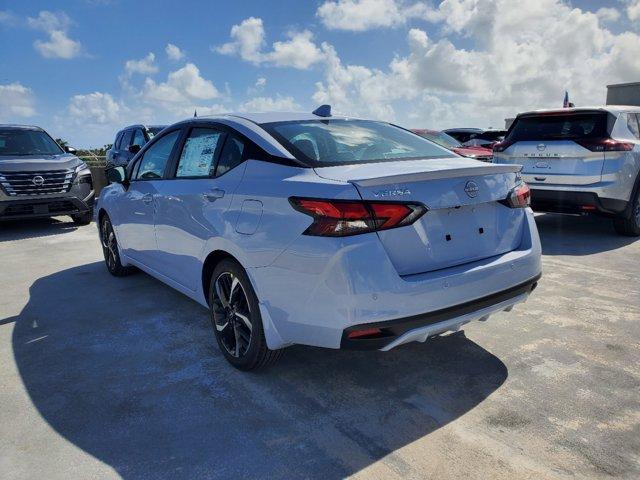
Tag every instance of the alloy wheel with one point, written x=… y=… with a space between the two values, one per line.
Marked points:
x=232 y=315
x=109 y=244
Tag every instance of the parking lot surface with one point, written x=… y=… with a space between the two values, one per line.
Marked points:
x=104 y=377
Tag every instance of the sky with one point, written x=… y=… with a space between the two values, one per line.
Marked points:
x=82 y=69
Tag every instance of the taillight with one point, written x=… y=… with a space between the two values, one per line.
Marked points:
x=605 y=145
x=339 y=218
x=501 y=146
x=519 y=197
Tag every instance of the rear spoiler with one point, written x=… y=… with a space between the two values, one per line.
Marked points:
x=490 y=169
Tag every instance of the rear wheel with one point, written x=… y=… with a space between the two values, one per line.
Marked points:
x=630 y=225
x=110 y=249
x=236 y=319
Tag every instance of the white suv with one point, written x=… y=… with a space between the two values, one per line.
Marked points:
x=580 y=160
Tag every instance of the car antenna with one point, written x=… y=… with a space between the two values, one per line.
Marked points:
x=323 y=111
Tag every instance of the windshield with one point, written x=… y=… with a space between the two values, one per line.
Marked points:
x=441 y=138
x=559 y=127
x=14 y=141
x=336 y=142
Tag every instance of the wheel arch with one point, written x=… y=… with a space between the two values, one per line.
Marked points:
x=209 y=265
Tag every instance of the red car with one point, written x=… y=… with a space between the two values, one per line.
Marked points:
x=450 y=143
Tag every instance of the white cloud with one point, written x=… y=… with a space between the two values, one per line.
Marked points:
x=606 y=14
x=361 y=15
x=633 y=10
x=269 y=104
x=173 y=52
x=144 y=66
x=184 y=88
x=56 y=26
x=95 y=108
x=248 y=40
x=511 y=68
x=16 y=100
x=7 y=18
x=260 y=82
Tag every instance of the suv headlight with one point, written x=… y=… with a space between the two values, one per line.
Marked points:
x=82 y=174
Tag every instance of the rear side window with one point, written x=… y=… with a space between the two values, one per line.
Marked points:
x=559 y=127
x=199 y=153
x=632 y=123
x=153 y=163
x=231 y=156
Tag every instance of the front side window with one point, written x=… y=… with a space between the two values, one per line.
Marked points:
x=118 y=141
x=154 y=161
x=336 y=142
x=126 y=139
x=138 y=138
x=231 y=156
x=17 y=142
x=199 y=153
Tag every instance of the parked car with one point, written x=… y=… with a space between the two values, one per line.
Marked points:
x=580 y=160
x=486 y=139
x=462 y=134
x=450 y=143
x=128 y=142
x=38 y=178
x=297 y=228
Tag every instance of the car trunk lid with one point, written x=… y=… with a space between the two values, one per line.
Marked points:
x=465 y=220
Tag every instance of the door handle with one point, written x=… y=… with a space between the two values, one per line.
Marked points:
x=147 y=199
x=213 y=194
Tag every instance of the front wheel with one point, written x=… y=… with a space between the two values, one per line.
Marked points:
x=236 y=319
x=630 y=225
x=110 y=250
x=82 y=218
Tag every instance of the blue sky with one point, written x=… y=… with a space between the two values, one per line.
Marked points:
x=63 y=65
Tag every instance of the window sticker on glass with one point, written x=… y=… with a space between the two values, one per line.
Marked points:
x=198 y=154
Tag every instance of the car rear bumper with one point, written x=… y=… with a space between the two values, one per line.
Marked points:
x=420 y=327
x=312 y=297
x=570 y=201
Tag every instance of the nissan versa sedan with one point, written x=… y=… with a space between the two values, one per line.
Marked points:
x=314 y=229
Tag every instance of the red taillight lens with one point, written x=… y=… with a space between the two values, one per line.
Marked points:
x=501 y=146
x=519 y=197
x=605 y=145
x=339 y=218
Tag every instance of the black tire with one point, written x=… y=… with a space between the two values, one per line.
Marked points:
x=82 y=218
x=630 y=224
x=109 y=244
x=235 y=315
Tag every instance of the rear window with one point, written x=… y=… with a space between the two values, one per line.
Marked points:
x=338 y=142
x=559 y=127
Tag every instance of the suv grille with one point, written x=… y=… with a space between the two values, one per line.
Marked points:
x=36 y=183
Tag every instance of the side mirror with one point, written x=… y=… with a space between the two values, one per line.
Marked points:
x=71 y=150
x=134 y=149
x=116 y=175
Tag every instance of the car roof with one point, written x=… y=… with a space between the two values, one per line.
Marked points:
x=270 y=117
x=16 y=126
x=603 y=108
x=140 y=125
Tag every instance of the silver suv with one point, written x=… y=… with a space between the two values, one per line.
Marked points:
x=580 y=160
x=40 y=179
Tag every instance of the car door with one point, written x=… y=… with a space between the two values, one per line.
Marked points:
x=112 y=153
x=193 y=205
x=137 y=207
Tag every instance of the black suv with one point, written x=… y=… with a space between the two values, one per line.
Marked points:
x=38 y=178
x=128 y=142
